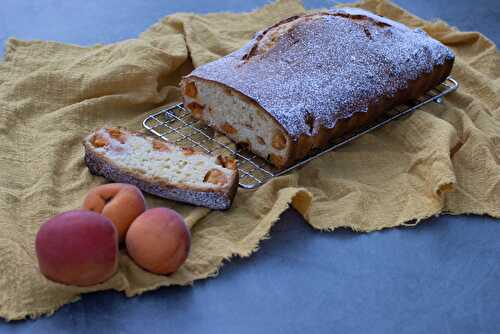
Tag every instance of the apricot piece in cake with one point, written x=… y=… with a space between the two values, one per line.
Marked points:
x=160 y=146
x=188 y=151
x=279 y=141
x=276 y=160
x=190 y=89
x=99 y=141
x=215 y=176
x=227 y=162
x=228 y=128
x=196 y=109
x=117 y=134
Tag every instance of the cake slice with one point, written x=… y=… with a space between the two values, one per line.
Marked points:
x=162 y=169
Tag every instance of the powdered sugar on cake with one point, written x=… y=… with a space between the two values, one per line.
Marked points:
x=327 y=67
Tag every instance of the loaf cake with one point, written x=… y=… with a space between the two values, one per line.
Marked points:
x=162 y=169
x=312 y=78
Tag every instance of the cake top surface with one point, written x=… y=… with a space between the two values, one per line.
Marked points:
x=310 y=71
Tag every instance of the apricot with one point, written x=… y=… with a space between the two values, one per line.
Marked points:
x=120 y=202
x=77 y=248
x=159 y=241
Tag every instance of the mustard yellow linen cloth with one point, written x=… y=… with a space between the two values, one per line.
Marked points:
x=442 y=159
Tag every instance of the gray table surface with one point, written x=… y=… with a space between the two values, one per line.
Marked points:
x=440 y=277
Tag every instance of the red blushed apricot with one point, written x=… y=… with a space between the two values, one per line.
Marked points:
x=120 y=202
x=159 y=241
x=77 y=248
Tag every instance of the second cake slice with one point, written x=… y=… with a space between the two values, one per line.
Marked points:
x=161 y=168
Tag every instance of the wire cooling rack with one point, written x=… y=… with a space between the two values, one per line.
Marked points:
x=175 y=124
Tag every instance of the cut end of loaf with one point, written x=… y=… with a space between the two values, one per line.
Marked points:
x=238 y=117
